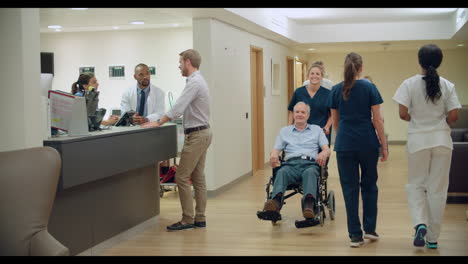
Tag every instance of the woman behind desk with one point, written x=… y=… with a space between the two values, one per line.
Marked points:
x=87 y=82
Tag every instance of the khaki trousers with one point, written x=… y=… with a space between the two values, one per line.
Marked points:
x=192 y=166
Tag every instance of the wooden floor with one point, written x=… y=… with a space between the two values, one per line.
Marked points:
x=233 y=228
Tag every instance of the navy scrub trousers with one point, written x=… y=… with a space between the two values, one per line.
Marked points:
x=349 y=163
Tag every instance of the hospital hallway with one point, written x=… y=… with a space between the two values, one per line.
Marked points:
x=233 y=228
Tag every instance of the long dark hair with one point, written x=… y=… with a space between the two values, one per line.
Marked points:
x=83 y=79
x=353 y=63
x=430 y=57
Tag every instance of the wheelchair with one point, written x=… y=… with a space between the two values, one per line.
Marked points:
x=324 y=200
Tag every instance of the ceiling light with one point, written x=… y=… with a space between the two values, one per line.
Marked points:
x=137 y=22
x=54 y=26
x=461 y=45
x=58 y=29
x=311 y=49
x=115 y=27
x=79 y=8
x=175 y=25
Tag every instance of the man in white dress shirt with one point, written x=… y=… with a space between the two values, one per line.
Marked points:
x=147 y=100
x=193 y=103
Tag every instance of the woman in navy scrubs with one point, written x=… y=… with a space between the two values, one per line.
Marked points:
x=355 y=110
x=316 y=97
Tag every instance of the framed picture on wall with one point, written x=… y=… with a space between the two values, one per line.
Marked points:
x=152 y=70
x=275 y=79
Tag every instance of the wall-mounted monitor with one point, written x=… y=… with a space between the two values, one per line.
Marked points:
x=47 y=62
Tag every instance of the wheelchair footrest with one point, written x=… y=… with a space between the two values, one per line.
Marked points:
x=269 y=215
x=306 y=223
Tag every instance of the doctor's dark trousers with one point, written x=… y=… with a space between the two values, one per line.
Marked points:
x=349 y=163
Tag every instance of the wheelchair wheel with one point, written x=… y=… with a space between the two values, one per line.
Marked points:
x=331 y=204
x=321 y=215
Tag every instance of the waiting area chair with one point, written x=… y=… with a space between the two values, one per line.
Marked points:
x=28 y=184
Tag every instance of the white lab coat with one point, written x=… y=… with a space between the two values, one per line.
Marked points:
x=156 y=102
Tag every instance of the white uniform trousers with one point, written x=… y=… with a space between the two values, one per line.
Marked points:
x=428 y=178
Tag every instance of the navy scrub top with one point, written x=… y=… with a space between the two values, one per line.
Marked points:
x=319 y=109
x=355 y=128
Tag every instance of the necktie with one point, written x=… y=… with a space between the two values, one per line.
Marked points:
x=141 y=109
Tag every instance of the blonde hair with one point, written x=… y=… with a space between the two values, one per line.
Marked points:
x=193 y=56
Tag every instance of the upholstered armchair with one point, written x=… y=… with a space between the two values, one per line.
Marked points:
x=28 y=183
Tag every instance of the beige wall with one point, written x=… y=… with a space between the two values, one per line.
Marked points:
x=388 y=69
x=155 y=47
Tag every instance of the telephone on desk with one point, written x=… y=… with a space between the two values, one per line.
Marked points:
x=126 y=119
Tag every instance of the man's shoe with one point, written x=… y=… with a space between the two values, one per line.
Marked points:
x=431 y=245
x=356 y=241
x=373 y=236
x=308 y=213
x=419 y=236
x=200 y=224
x=179 y=226
x=271 y=206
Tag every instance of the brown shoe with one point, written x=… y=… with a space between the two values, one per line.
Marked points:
x=308 y=213
x=271 y=205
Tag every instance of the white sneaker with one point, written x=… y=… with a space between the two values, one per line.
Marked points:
x=372 y=236
x=356 y=242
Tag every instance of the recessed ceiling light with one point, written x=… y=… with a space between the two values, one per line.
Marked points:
x=115 y=27
x=311 y=49
x=461 y=45
x=54 y=26
x=79 y=8
x=175 y=25
x=137 y=22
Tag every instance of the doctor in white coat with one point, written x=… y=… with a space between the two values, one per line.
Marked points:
x=149 y=108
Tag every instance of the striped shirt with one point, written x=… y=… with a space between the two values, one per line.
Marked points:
x=193 y=103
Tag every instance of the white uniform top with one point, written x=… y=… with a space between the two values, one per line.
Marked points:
x=428 y=127
x=324 y=83
x=155 y=101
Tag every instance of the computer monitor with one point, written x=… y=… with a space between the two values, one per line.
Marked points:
x=68 y=113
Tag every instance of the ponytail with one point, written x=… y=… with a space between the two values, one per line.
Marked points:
x=76 y=87
x=430 y=57
x=353 y=63
x=83 y=79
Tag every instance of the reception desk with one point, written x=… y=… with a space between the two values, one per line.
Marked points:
x=109 y=182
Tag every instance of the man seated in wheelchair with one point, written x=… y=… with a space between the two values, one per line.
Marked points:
x=301 y=143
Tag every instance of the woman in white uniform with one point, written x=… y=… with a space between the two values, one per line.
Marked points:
x=429 y=103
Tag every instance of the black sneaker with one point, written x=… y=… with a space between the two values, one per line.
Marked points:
x=179 y=226
x=356 y=241
x=373 y=236
x=419 y=236
x=200 y=224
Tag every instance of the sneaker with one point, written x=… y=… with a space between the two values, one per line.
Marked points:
x=373 y=236
x=356 y=241
x=200 y=224
x=431 y=245
x=179 y=226
x=419 y=236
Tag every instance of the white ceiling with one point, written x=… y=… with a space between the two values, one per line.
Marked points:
x=273 y=23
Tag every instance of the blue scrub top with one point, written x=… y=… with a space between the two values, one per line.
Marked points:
x=319 y=110
x=355 y=129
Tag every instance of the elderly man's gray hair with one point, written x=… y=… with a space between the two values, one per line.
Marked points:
x=301 y=102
